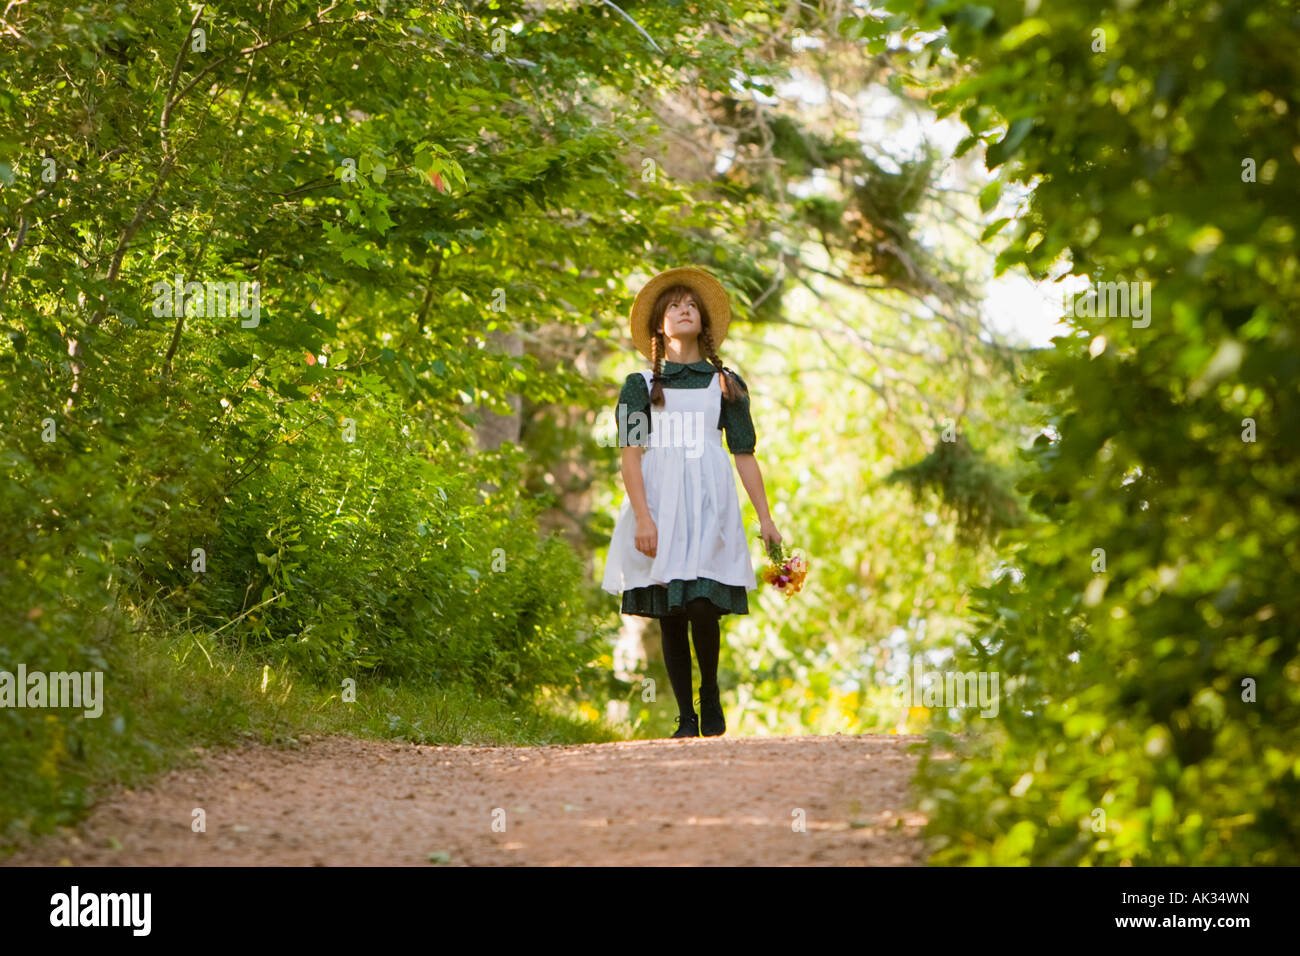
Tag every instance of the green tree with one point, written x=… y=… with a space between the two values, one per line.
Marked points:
x=1144 y=637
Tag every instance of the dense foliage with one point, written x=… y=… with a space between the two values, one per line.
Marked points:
x=1145 y=636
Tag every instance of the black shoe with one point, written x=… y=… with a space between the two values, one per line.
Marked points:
x=690 y=726
x=712 y=721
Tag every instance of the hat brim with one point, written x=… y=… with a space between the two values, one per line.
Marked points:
x=708 y=288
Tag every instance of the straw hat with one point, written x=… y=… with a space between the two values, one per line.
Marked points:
x=702 y=283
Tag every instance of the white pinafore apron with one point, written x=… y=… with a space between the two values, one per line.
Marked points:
x=691 y=494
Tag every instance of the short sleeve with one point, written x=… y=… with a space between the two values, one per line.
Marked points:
x=633 y=401
x=737 y=423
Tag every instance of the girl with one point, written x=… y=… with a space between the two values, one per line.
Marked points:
x=678 y=552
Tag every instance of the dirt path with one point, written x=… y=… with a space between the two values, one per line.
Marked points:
x=339 y=801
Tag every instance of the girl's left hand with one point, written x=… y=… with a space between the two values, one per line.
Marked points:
x=770 y=535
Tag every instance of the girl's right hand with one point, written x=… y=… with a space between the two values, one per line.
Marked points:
x=647 y=536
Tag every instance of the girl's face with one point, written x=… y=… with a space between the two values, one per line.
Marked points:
x=682 y=318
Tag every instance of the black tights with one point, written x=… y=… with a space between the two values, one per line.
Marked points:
x=702 y=615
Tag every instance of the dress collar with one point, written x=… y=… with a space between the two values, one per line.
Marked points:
x=672 y=368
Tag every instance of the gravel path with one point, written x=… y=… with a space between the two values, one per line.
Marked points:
x=338 y=801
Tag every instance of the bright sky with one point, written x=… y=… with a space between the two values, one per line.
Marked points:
x=1016 y=307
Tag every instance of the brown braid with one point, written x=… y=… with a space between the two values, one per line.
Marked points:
x=731 y=387
x=657 y=362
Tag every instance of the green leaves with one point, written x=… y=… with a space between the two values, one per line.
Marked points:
x=999 y=152
x=993 y=228
x=233 y=358
x=1023 y=32
x=989 y=196
x=974 y=16
x=863 y=27
x=438 y=166
x=1127 y=633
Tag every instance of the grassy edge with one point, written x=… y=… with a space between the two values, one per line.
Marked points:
x=169 y=698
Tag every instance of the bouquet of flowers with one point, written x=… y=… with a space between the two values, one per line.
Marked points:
x=786 y=572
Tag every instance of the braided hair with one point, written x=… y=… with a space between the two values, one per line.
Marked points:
x=731 y=387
